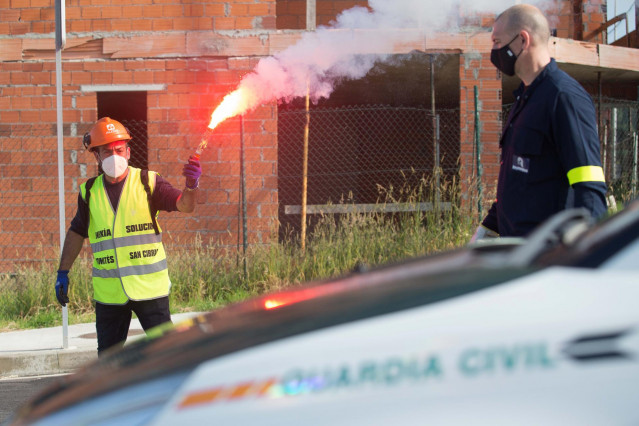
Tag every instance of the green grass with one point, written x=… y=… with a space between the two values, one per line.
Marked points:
x=207 y=277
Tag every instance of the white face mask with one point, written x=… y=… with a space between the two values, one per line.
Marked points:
x=114 y=165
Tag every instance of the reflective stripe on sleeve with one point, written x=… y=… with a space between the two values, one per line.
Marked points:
x=586 y=174
x=130 y=270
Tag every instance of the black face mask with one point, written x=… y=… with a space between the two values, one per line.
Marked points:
x=504 y=58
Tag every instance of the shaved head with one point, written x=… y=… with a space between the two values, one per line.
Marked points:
x=529 y=18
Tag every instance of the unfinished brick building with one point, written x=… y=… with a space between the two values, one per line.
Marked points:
x=166 y=65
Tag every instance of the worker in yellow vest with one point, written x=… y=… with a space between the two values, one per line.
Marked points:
x=117 y=211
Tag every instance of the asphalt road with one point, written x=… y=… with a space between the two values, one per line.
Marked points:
x=15 y=392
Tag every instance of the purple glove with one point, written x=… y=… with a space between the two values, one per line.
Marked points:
x=192 y=172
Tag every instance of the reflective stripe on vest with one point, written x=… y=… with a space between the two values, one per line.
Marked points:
x=586 y=174
x=129 y=262
x=130 y=270
x=126 y=241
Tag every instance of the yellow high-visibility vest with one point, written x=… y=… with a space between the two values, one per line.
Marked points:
x=129 y=261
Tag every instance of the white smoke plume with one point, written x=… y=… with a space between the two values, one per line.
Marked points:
x=343 y=51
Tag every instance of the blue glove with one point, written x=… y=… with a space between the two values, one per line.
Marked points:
x=61 y=287
x=192 y=172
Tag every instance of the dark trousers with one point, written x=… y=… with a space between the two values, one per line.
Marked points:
x=112 y=321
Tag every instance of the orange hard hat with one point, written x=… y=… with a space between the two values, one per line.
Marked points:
x=105 y=131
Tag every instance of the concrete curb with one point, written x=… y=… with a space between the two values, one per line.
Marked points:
x=45 y=362
x=38 y=352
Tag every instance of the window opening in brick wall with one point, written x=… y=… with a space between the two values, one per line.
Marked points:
x=371 y=134
x=130 y=109
x=622 y=28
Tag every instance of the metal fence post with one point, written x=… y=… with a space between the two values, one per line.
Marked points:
x=634 y=164
x=478 y=156
x=613 y=131
x=243 y=183
x=60 y=40
x=438 y=189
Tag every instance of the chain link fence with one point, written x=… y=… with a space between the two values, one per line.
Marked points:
x=619 y=147
x=139 y=146
x=29 y=196
x=357 y=155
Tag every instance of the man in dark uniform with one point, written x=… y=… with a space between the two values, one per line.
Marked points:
x=550 y=156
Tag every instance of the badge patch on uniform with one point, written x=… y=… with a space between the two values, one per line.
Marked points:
x=521 y=164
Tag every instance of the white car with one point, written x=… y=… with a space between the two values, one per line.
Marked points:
x=544 y=332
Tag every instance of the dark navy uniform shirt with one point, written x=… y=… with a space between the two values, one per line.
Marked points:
x=550 y=156
x=164 y=198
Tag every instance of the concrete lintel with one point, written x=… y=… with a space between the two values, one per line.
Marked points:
x=122 y=87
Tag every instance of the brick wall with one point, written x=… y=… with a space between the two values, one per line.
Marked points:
x=291 y=14
x=177 y=117
x=572 y=19
x=576 y=19
x=593 y=17
x=18 y=17
x=28 y=163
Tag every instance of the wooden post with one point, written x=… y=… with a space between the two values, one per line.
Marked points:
x=305 y=169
